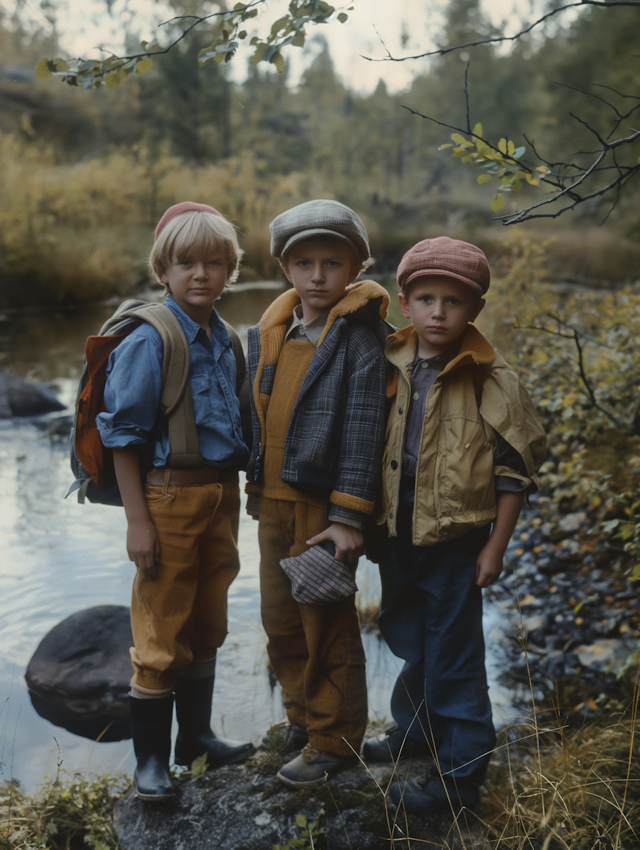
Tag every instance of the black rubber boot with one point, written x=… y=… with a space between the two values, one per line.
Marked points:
x=151 y=727
x=195 y=736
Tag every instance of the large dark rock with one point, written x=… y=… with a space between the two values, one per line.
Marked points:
x=244 y=807
x=79 y=675
x=19 y=397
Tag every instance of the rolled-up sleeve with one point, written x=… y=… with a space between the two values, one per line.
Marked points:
x=133 y=389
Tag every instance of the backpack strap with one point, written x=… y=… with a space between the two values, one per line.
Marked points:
x=239 y=355
x=175 y=402
x=242 y=385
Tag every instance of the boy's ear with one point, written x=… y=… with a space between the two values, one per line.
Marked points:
x=404 y=305
x=479 y=308
x=285 y=268
x=355 y=273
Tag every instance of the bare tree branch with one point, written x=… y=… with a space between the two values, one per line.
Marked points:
x=442 y=51
x=624 y=175
x=466 y=98
x=621 y=116
x=576 y=336
x=564 y=178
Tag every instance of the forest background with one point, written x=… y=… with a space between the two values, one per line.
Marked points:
x=85 y=177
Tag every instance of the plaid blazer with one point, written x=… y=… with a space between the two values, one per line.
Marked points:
x=335 y=435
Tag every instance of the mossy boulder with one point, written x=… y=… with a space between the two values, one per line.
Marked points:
x=245 y=807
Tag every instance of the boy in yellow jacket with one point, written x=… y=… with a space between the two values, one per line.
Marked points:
x=463 y=448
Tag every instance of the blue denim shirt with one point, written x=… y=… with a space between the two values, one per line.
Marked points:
x=133 y=389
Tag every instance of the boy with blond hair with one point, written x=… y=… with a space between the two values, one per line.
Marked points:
x=182 y=523
x=317 y=376
x=463 y=448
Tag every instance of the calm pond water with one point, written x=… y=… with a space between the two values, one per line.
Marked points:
x=59 y=557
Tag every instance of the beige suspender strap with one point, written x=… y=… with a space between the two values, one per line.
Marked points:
x=176 y=402
x=242 y=384
x=238 y=354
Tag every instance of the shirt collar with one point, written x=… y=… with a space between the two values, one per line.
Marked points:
x=312 y=330
x=192 y=329
x=437 y=362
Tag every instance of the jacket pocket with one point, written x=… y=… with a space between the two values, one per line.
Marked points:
x=466 y=472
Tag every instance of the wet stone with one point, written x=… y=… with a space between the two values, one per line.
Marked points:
x=609 y=626
x=19 y=397
x=561 y=664
x=79 y=675
x=569 y=551
x=607 y=655
x=604 y=587
x=569 y=525
x=537 y=637
x=547 y=565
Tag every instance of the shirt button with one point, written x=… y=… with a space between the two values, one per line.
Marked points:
x=394 y=464
x=400 y=410
x=416 y=396
x=424 y=365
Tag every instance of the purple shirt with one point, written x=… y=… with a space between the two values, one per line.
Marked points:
x=423 y=376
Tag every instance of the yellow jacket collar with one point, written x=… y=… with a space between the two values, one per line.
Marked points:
x=356 y=296
x=402 y=348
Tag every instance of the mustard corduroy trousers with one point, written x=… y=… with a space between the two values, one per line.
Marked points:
x=315 y=650
x=180 y=616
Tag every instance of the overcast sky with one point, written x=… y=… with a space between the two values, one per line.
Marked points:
x=85 y=25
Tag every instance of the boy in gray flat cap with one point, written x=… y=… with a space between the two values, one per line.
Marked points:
x=463 y=447
x=317 y=373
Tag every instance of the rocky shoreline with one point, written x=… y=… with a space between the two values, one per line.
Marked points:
x=570 y=622
x=245 y=807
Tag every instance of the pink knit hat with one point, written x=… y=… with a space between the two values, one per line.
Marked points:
x=445 y=257
x=178 y=209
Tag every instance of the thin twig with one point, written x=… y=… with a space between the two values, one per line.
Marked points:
x=442 y=51
x=575 y=335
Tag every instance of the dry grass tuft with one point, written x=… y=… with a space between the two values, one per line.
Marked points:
x=568 y=788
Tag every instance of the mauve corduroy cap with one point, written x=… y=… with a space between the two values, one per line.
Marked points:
x=318 y=218
x=445 y=257
x=178 y=209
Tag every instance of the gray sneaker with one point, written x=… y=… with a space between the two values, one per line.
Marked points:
x=313 y=766
x=285 y=737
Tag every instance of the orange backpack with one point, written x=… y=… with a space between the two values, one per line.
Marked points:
x=91 y=462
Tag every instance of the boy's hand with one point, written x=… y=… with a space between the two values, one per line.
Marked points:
x=489 y=564
x=143 y=546
x=490 y=559
x=349 y=542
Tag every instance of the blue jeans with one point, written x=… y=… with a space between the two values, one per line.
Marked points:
x=431 y=616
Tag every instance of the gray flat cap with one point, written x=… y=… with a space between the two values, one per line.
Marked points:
x=318 y=218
